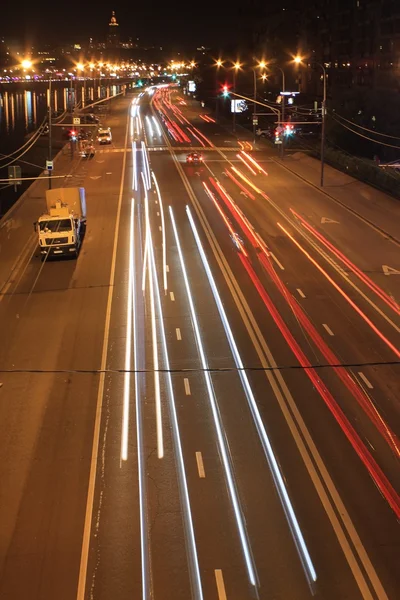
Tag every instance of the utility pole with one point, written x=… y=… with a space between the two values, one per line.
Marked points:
x=50 y=138
x=323 y=116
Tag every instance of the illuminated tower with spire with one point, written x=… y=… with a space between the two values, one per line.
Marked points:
x=113 y=35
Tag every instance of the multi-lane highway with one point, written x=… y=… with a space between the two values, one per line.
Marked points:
x=205 y=403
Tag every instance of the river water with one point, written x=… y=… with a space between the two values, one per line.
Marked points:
x=23 y=107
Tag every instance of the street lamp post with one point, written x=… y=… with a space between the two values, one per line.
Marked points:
x=218 y=64
x=298 y=61
x=262 y=65
x=50 y=138
x=323 y=108
x=235 y=69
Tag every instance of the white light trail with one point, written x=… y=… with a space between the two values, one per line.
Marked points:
x=217 y=421
x=148 y=121
x=164 y=242
x=128 y=345
x=146 y=164
x=149 y=242
x=157 y=126
x=183 y=488
x=134 y=170
x=269 y=453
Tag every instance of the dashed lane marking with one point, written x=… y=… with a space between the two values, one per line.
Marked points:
x=219 y=579
x=200 y=465
x=277 y=261
x=187 y=386
x=328 y=329
x=178 y=334
x=365 y=380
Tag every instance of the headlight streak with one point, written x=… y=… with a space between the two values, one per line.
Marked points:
x=371 y=284
x=240 y=174
x=240 y=157
x=227 y=223
x=254 y=162
x=148 y=121
x=358 y=310
x=128 y=346
x=157 y=125
x=149 y=245
x=164 y=241
x=266 y=444
x=146 y=166
x=217 y=421
x=134 y=170
x=245 y=190
x=183 y=488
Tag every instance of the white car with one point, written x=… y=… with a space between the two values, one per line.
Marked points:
x=104 y=136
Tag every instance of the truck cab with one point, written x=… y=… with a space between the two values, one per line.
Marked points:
x=60 y=230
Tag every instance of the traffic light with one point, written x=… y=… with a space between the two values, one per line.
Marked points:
x=278 y=135
x=225 y=91
x=139 y=83
x=289 y=129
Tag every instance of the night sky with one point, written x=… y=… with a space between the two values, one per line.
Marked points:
x=170 y=23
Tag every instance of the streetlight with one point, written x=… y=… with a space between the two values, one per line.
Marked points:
x=298 y=60
x=283 y=103
x=26 y=63
x=218 y=64
x=236 y=67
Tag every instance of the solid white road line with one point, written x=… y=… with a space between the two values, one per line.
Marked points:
x=178 y=334
x=157 y=389
x=365 y=380
x=328 y=329
x=99 y=405
x=301 y=293
x=172 y=296
x=200 y=465
x=219 y=579
x=277 y=261
x=187 y=386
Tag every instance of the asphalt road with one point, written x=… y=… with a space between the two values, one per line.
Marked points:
x=160 y=438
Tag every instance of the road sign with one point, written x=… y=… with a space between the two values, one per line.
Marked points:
x=14 y=173
x=255 y=121
x=49 y=165
x=77 y=120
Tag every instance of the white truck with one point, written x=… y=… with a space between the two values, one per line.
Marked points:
x=61 y=228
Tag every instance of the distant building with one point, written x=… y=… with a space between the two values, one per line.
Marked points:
x=113 y=32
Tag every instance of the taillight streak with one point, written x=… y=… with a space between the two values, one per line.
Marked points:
x=363 y=400
x=373 y=468
x=342 y=293
x=229 y=226
x=371 y=284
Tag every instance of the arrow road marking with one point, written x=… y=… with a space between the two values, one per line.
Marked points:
x=327 y=220
x=389 y=270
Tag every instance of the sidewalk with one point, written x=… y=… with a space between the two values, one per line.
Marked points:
x=375 y=206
